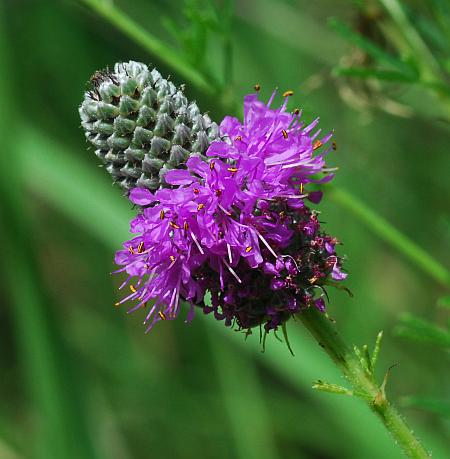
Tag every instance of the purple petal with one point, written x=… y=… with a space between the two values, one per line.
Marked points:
x=141 y=196
x=222 y=150
x=178 y=177
x=315 y=196
x=337 y=274
x=320 y=304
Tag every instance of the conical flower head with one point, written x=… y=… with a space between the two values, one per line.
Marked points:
x=142 y=125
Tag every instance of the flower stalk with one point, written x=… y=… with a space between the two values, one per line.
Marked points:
x=362 y=381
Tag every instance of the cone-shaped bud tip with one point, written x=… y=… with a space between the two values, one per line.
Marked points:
x=141 y=125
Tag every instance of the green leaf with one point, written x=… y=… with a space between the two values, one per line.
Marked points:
x=433 y=405
x=48 y=370
x=415 y=328
x=387 y=232
x=444 y=302
x=381 y=56
x=385 y=75
x=88 y=200
x=244 y=401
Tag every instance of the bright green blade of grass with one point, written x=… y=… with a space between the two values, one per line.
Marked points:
x=363 y=72
x=244 y=402
x=372 y=49
x=418 y=329
x=433 y=405
x=390 y=234
x=58 y=417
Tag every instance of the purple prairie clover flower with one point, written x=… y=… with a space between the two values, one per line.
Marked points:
x=274 y=148
x=236 y=226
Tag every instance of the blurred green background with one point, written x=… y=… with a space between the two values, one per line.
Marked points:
x=79 y=378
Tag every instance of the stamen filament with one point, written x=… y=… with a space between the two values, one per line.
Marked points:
x=232 y=271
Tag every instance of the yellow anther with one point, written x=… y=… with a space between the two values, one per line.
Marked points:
x=257 y=87
x=174 y=225
x=249 y=249
x=334 y=145
x=232 y=169
x=141 y=247
x=211 y=165
x=132 y=288
x=296 y=111
x=200 y=206
x=186 y=226
x=313 y=279
x=317 y=144
x=301 y=188
x=116 y=304
x=162 y=315
x=238 y=137
x=288 y=93
x=161 y=215
x=285 y=134
x=172 y=258
x=131 y=250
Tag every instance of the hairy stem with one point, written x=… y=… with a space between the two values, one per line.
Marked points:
x=326 y=335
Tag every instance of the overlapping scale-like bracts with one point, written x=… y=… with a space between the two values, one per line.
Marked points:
x=141 y=125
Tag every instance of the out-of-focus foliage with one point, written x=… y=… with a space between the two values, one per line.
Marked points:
x=79 y=377
x=397 y=45
x=414 y=328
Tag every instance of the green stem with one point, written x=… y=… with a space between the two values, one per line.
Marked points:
x=431 y=74
x=382 y=228
x=152 y=44
x=324 y=332
x=430 y=69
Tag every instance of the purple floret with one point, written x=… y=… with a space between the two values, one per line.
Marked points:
x=236 y=226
